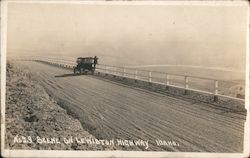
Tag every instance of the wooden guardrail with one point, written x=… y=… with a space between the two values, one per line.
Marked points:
x=152 y=77
x=166 y=79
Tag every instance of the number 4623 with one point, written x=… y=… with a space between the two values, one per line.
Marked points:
x=22 y=139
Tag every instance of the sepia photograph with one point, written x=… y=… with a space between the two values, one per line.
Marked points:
x=124 y=78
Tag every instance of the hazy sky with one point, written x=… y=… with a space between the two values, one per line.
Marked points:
x=188 y=35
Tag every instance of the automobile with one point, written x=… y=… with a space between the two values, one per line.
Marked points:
x=85 y=65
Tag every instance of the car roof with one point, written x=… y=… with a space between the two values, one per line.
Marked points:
x=85 y=58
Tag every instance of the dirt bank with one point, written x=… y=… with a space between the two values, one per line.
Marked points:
x=31 y=114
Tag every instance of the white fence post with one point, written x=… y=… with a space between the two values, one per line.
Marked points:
x=115 y=71
x=216 y=84
x=124 y=72
x=186 y=84
x=149 y=76
x=167 y=79
x=136 y=72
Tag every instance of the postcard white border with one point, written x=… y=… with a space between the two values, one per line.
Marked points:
x=116 y=153
x=3 y=70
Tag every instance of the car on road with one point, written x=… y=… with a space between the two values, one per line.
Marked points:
x=85 y=65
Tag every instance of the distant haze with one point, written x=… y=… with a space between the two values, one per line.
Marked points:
x=212 y=36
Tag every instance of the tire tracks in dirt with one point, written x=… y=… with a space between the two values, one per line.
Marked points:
x=110 y=110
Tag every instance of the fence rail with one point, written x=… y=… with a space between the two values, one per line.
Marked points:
x=185 y=82
x=165 y=79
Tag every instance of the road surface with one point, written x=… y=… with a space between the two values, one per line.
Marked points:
x=110 y=110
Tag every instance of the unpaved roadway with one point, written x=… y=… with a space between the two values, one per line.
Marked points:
x=109 y=110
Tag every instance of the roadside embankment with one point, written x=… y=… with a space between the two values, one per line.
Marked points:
x=34 y=120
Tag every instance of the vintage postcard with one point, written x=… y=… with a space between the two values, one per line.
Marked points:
x=124 y=78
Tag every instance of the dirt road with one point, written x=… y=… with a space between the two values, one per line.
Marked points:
x=109 y=110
